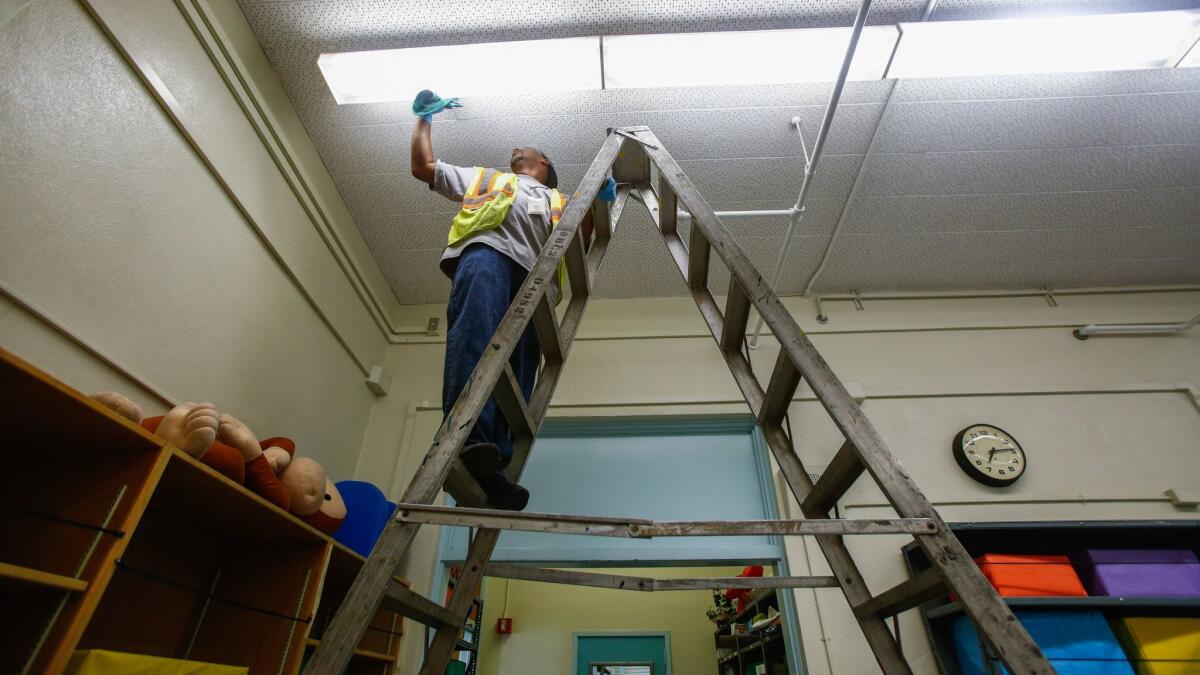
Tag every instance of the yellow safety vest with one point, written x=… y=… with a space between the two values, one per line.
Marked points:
x=486 y=203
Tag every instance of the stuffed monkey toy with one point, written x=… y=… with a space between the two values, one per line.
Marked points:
x=221 y=442
x=315 y=499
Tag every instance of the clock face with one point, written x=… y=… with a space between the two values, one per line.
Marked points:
x=989 y=455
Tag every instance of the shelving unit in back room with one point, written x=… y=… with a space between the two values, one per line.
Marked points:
x=743 y=650
x=118 y=541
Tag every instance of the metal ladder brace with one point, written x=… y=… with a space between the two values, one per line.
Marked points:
x=630 y=151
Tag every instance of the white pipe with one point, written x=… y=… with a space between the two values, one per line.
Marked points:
x=1135 y=328
x=684 y=215
x=810 y=167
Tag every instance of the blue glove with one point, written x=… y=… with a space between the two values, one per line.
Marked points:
x=608 y=193
x=427 y=104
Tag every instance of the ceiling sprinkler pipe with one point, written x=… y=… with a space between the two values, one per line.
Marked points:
x=810 y=165
x=1135 y=328
x=684 y=215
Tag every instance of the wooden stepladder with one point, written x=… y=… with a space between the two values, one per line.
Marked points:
x=630 y=152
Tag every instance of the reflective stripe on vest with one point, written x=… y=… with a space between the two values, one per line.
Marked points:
x=486 y=203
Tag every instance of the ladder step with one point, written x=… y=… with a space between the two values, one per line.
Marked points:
x=649 y=584
x=737 y=315
x=637 y=528
x=698 y=253
x=417 y=607
x=601 y=220
x=577 y=267
x=668 y=209
x=512 y=405
x=545 y=322
x=784 y=381
x=843 y=470
x=918 y=590
x=464 y=488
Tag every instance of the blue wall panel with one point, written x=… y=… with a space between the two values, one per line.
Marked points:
x=682 y=470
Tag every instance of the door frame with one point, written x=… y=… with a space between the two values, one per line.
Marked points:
x=665 y=634
x=673 y=424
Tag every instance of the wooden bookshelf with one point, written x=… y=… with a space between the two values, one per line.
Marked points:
x=118 y=541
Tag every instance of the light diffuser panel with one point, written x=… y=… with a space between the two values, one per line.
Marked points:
x=1044 y=44
x=750 y=57
x=484 y=69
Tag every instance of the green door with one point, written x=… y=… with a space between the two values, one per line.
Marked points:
x=621 y=654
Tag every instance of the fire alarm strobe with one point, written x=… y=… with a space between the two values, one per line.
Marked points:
x=504 y=625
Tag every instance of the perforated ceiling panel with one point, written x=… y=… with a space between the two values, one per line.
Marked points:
x=999 y=182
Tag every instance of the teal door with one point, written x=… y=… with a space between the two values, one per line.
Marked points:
x=621 y=653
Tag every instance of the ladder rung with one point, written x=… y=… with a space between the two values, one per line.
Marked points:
x=737 y=314
x=650 y=584
x=843 y=470
x=577 y=268
x=512 y=404
x=417 y=607
x=637 y=528
x=919 y=589
x=601 y=220
x=784 y=380
x=697 y=276
x=545 y=322
x=678 y=252
x=668 y=208
x=463 y=487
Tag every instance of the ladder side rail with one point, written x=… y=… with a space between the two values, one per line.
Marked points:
x=743 y=374
x=854 y=587
x=365 y=594
x=484 y=543
x=996 y=621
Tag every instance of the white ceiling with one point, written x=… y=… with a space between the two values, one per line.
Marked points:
x=971 y=183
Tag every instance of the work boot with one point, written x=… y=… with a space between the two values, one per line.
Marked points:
x=481 y=459
x=504 y=494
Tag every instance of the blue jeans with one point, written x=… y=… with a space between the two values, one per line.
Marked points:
x=484 y=283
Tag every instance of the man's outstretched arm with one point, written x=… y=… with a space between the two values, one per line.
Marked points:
x=422 y=151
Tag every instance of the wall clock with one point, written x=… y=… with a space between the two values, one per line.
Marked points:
x=989 y=454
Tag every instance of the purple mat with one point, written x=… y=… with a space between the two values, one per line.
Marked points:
x=1140 y=572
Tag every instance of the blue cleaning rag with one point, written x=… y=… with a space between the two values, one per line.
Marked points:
x=427 y=104
x=608 y=193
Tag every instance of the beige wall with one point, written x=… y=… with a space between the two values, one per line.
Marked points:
x=546 y=617
x=170 y=243
x=1108 y=424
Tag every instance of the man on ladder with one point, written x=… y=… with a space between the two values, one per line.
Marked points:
x=504 y=221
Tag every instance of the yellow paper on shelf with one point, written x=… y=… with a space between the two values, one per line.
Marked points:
x=1162 y=646
x=104 y=662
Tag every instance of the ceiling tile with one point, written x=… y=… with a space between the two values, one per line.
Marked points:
x=1047 y=210
x=1121 y=168
x=982 y=182
x=942 y=126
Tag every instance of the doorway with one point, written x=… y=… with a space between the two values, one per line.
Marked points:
x=623 y=653
x=684 y=468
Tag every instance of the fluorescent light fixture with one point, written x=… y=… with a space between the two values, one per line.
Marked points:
x=750 y=57
x=487 y=69
x=1045 y=44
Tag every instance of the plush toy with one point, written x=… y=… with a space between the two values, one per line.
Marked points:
x=219 y=441
x=315 y=499
x=269 y=467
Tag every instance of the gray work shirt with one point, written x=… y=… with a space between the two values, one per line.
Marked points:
x=525 y=229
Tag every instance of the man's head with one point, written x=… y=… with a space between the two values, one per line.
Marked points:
x=533 y=162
